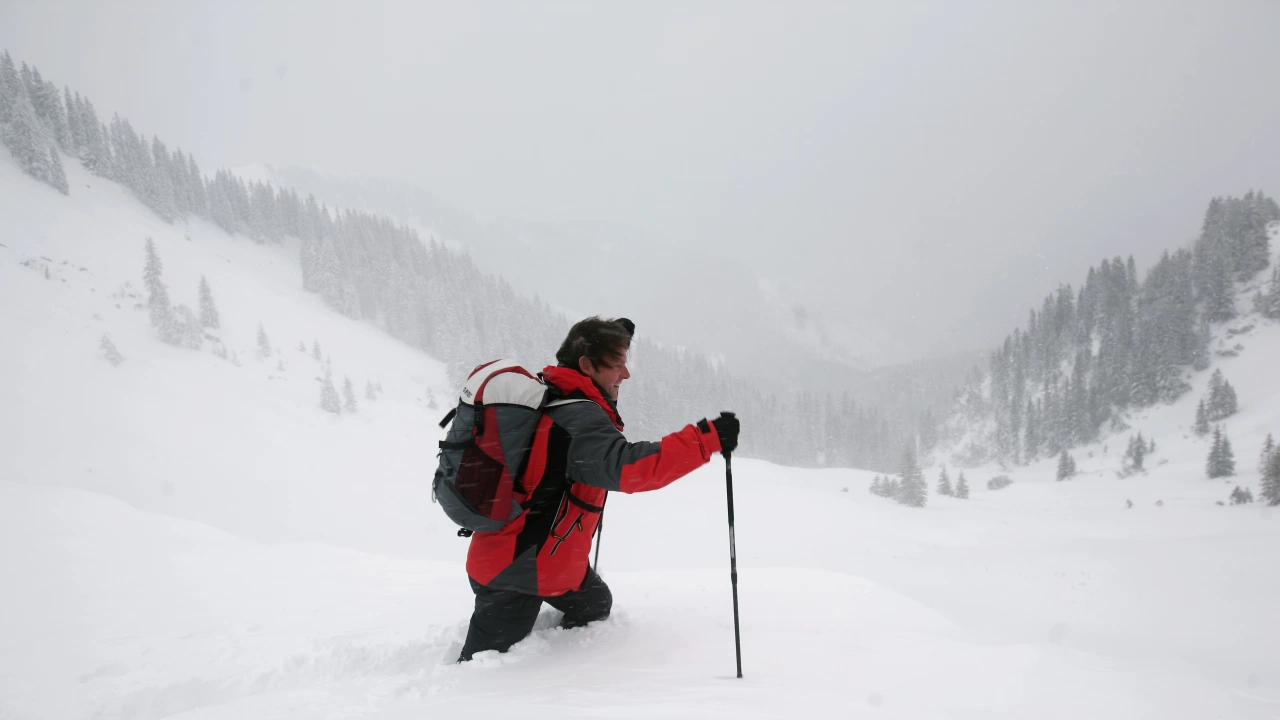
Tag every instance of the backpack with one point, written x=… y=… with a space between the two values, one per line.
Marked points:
x=483 y=456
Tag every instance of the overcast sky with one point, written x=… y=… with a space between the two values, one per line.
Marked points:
x=934 y=167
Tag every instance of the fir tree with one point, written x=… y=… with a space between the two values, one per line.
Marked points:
x=162 y=317
x=1221 y=402
x=369 y=392
x=1241 y=496
x=208 y=311
x=190 y=331
x=57 y=175
x=962 y=487
x=944 y=484
x=27 y=139
x=1221 y=461
x=1201 y=426
x=912 y=489
x=348 y=395
x=1271 y=481
x=1264 y=458
x=1066 y=465
x=329 y=401
x=1137 y=452
x=315 y=350
x=109 y=351
x=302 y=347
x=264 y=343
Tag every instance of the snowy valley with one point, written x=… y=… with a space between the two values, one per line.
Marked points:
x=188 y=536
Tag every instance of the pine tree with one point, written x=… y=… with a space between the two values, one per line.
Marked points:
x=109 y=351
x=1222 y=398
x=962 y=487
x=1264 y=458
x=28 y=140
x=348 y=395
x=1271 y=481
x=944 y=484
x=1201 y=426
x=57 y=175
x=162 y=317
x=190 y=331
x=912 y=490
x=1227 y=403
x=208 y=311
x=1137 y=452
x=302 y=347
x=1221 y=462
x=1066 y=465
x=264 y=343
x=369 y=392
x=315 y=350
x=329 y=401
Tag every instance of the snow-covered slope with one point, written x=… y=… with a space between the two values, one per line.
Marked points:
x=186 y=537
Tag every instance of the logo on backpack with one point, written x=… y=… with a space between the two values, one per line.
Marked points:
x=483 y=457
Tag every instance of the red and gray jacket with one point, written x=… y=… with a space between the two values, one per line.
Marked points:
x=579 y=454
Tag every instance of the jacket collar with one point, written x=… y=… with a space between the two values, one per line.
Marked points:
x=572 y=383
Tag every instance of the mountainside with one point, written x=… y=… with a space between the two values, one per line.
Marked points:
x=1088 y=360
x=787 y=332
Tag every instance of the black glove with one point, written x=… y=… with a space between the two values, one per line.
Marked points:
x=727 y=427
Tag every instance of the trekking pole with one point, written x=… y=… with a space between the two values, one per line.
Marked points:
x=600 y=532
x=733 y=559
x=599 y=537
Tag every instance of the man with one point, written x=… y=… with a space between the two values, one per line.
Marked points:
x=542 y=556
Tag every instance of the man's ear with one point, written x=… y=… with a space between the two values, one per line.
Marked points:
x=584 y=364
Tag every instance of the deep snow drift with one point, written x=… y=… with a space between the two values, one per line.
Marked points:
x=186 y=537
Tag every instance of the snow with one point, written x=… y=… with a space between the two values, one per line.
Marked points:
x=183 y=537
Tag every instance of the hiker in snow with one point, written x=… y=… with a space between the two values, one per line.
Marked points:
x=579 y=454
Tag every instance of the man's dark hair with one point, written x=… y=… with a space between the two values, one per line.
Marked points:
x=603 y=342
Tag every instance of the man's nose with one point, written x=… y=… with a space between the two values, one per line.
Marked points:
x=626 y=373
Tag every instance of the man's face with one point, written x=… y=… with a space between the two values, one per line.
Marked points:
x=608 y=376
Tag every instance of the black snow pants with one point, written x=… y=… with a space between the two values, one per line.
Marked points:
x=503 y=618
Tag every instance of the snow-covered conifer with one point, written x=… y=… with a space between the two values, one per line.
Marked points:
x=1066 y=465
x=962 y=487
x=109 y=350
x=912 y=489
x=369 y=392
x=1264 y=457
x=315 y=350
x=329 y=401
x=348 y=395
x=1271 y=481
x=57 y=175
x=208 y=310
x=1201 y=426
x=944 y=483
x=1221 y=461
x=264 y=343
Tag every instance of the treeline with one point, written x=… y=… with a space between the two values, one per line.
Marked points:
x=1116 y=343
x=425 y=294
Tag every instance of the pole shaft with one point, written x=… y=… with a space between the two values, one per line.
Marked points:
x=733 y=561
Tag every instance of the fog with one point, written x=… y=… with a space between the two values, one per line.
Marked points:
x=924 y=172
